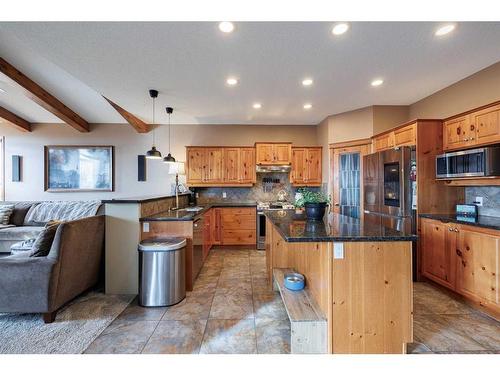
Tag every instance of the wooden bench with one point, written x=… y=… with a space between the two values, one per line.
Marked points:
x=308 y=323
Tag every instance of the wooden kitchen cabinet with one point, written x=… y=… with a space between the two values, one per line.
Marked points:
x=273 y=153
x=207 y=233
x=406 y=136
x=463 y=258
x=220 y=166
x=238 y=226
x=383 y=142
x=216 y=226
x=438 y=258
x=306 y=166
x=474 y=129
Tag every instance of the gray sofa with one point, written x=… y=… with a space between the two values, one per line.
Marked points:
x=44 y=284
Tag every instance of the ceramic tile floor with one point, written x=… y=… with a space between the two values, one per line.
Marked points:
x=232 y=310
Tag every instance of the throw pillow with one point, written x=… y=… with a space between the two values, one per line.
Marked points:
x=41 y=246
x=5 y=212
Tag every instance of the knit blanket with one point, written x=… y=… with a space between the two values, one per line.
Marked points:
x=61 y=210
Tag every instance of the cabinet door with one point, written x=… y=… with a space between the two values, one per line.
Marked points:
x=478 y=265
x=438 y=249
x=207 y=240
x=265 y=153
x=216 y=226
x=247 y=173
x=282 y=153
x=298 y=173
x=453 y=132
x=214 y=165
x=232 y=165
x=487 y=123
x=405 y=136
x=384 y=142
x=313 y=159
x=195 y=165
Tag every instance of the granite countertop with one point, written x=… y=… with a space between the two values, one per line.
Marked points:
x=295 y=228
x=184 y=215
x=488 y=222
x=142 y=199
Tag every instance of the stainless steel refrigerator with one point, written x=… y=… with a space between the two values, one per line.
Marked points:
x=389 y=184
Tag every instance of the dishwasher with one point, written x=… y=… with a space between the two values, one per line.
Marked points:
x=197 y=246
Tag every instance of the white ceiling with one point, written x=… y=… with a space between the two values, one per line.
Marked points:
x=188 y=63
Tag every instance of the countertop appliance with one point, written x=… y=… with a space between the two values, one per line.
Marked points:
x=479 y=162
x=390 y=197
x=261 y=219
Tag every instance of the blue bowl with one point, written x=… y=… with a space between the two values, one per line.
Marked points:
x=294 y=281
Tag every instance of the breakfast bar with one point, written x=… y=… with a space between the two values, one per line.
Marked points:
x=358 y=277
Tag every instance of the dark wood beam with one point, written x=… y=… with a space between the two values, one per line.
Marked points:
x=12 y=118
x=36 y=93
x=139 y=125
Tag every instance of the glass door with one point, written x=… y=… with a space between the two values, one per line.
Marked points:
x=346 y=179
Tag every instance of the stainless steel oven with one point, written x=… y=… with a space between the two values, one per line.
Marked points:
x=479 y=162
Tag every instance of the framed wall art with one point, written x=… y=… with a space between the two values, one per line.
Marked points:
x=79 y=168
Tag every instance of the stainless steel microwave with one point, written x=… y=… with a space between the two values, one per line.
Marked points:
x=479 y=162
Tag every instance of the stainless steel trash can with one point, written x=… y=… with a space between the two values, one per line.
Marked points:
x=162 y=271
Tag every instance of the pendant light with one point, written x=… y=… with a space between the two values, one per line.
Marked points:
x=169 y=158
x=153 y=153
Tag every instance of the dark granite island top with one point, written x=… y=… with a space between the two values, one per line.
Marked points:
x=488 y=222
x=340 y=228
x=185 y=215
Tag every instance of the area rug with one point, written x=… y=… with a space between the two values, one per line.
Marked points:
x=76 y=326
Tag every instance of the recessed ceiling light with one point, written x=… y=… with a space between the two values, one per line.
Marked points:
x=257 y=106
x=307 y=106
x=231 y=81
x=340 y=28
x=446 y=29
x=2 y=90
x=377 y=82
x=226 y=27
x=307 y=82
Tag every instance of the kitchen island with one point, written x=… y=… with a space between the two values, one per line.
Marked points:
x=357 y=274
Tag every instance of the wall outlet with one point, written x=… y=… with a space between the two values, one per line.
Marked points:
x=224 y=195
x=478 y=201
x=197 y=195
x=145 y=227
x=338 y=250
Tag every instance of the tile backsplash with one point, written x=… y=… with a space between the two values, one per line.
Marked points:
x=260 y=192
x=491 y=199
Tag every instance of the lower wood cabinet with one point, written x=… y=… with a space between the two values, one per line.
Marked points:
x=238 y=226
x=463 y=258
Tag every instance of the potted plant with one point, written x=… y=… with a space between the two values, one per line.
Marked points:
x=314 y=202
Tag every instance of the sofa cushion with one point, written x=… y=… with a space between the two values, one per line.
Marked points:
x=20 y=211
x=19 y=233
x=42 y=244
x=5 y=212
x=62 y=210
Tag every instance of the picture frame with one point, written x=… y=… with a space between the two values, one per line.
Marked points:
x=79 y=168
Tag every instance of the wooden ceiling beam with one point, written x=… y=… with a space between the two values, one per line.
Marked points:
x=12 y=118
x=40 y=96
x=139 y=125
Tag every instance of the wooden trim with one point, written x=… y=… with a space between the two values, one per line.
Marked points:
x=273 y=143
x=404 y=125
x=473 y=181
x=358 y=142
x=219 y=146
x=40 y=96
x=139 y=125
x=13 y=119
x=472 y=110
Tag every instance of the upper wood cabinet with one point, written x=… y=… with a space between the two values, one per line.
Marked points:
x=402 y=136
x=463 y=258
x=306 y=166
x=220 y=166
x=273 y=153
x=474 y=129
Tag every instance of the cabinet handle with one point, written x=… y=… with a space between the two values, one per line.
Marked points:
x=456 y=230
x=466 y=139
x=450 y=229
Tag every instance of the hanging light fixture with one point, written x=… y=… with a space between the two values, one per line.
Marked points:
x=153 y=153
x=169 y=158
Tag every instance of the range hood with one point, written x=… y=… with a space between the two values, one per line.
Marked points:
x=285 y=168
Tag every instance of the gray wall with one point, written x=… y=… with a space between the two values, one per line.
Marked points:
x=491 y=199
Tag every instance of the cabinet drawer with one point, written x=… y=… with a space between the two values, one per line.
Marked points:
x=239 y=222
x=239 y=211
x=239 y=237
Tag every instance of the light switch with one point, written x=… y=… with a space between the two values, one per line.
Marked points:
x=224 y=195
x=478 y=201
x=338 y=250
x=145 y=227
